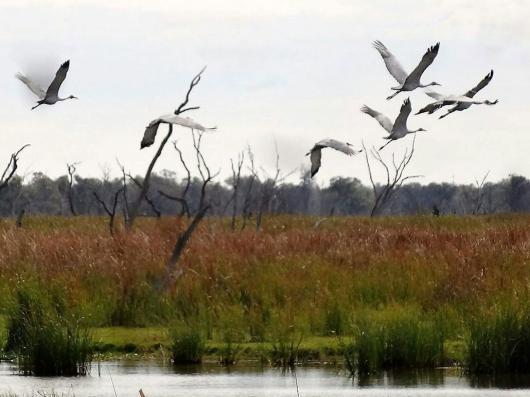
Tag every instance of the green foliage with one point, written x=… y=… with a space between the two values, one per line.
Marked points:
x=187 y=344
x=45 y=340
x=397 y=337
x=499 y=340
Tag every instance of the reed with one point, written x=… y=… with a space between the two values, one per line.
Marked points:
x=396 y=337
x=187 y=344
x=498 y=341
x=321 y=280
x=46 y=341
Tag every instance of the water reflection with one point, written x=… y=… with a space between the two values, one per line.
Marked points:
x=161 y=380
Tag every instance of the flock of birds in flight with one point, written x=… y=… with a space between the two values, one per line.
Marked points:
x=396 y=130
x=407 y=82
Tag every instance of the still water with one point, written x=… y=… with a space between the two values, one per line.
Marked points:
x=158 y=380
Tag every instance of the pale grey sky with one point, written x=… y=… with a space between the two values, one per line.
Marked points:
x=294 y=71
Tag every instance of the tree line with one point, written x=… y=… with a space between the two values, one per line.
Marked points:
x=252 y=196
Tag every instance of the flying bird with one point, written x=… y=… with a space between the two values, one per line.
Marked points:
x=399 y=128
x=408 y=82
x=462 y=102
x=152 y=127
x=316 y=152
x=51 y=96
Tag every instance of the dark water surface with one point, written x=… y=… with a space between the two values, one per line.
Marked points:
x=158 y=380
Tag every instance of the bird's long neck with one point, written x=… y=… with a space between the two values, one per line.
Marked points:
x=427 y=85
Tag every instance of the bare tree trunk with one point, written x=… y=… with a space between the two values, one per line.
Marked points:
x=145 y=184
x=182 y=241
x=171 y=272
x=20 y=216
x=71 y=174
x=236 y=177
x=480 y=194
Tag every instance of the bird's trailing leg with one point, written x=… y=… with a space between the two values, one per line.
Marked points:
x=447 y=114
x=393 y=95
x=37 y=105
x=382 y=147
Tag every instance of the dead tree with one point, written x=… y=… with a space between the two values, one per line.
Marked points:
x=246 y=212
x=171 y=271
x=236 y=179
x=71 y=168
x=148 y=199
x=111 y=211
x=268 y=185
x=394 y=177
x=10 y=168
x=125 y=207
x=133 y=212
x=479 y=199
x=181 y=199
x=20 y=216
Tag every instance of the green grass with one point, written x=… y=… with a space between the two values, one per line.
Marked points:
x=45 y=340
x=499 y=340
x=254 y=294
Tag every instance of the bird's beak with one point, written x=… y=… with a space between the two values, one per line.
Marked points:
x=74 y=97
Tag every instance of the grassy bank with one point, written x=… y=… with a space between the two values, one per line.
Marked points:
x=261 y=291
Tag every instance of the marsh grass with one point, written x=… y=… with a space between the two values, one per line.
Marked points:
x=187 y=344
x=498 y=341
x=320 y=279
x=46 y=341
x=396 y=337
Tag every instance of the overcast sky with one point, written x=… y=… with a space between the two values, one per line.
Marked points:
x=290 y=71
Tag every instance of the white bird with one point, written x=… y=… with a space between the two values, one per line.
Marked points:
x=171 y=118
x=408 y=82
x=316 y=152
x=51 y=96
x=397 y=130
x=462 y=102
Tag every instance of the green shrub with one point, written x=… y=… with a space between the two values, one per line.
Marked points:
x=187 y=345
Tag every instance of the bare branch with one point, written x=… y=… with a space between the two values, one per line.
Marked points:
x=394 y=178
x=133 y=213
x=149 y=201
x=11 y=168
x=111 y=212
x=193 y=83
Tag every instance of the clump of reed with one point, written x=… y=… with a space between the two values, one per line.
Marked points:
x=286 y=340
x=498 y=340
x=187 y=344
x=45 y=340
x=396 y=337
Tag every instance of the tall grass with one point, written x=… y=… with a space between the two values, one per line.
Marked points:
x=397 y=337
x=499 y=340
x=187 y=344
x=323 y=278
x=44 y=340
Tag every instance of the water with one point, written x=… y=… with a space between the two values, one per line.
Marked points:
x=159 y=380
